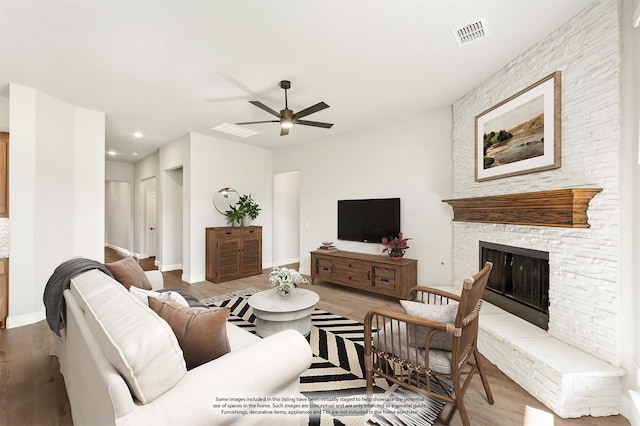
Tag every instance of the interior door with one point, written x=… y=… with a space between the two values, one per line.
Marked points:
x=152 y=235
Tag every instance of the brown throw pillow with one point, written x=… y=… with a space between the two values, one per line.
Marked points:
x=201 y=332
x=129 y=273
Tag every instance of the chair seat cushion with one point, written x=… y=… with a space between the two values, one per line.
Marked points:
x=393 y=339
x=442 y=313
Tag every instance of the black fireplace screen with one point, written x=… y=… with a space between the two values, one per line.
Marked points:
x=519 y=281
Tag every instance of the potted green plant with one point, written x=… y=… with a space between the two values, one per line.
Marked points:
x=249 y=208
x=235 y=215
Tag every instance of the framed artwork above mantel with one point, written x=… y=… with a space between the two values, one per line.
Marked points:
x=521 y=134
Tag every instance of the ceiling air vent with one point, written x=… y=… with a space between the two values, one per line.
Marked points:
x=234 y=130
x=471 y=32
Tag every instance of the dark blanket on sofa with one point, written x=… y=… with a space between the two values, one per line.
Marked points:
x=59 y=281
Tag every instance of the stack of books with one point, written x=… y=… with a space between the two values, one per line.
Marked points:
x=327 y=246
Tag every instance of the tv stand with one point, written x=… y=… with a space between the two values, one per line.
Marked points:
x=371 y=272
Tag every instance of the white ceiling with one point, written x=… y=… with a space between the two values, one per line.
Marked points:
x=166 y=68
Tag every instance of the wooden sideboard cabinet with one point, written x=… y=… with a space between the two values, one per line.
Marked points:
x=233 y=252
x=371 y=272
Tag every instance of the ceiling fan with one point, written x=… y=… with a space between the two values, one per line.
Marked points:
x=288 y=118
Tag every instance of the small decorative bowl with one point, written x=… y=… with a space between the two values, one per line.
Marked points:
x=327 y=243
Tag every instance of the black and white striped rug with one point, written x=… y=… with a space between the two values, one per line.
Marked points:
x=335 y=382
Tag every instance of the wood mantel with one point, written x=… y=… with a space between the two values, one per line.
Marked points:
x=560 y=208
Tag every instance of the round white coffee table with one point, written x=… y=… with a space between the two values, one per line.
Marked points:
x=275 y=313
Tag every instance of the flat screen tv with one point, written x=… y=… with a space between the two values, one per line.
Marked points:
x=368 y=220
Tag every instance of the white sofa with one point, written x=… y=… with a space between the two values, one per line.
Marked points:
x=115 y=352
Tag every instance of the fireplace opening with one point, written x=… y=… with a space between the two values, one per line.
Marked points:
x=519 y=281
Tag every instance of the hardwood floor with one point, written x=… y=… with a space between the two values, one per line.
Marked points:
x=32 y=389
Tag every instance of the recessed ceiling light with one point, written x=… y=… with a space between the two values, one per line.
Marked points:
x=234 y=130
x=134 y=153
x=112 y=153
x=137 y=134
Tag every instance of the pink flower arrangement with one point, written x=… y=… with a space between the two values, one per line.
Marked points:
x=398 y=243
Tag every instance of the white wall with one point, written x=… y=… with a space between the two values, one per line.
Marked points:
x=4 y=114
x=173 y=167
x=117 y=226
x=215 y=164
x=173 y=212
x=410 y=159
x=118 y=171
x=119 y=199
x=286 y=218
x=56 y=180
x=630 y=197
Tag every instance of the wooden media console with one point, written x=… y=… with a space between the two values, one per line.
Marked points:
x=371 y=272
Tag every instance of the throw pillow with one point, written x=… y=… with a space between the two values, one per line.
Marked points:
x=166 y=296
x=441 y=313
x=129 y=273
x=201 y=332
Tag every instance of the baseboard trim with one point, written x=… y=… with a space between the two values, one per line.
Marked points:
x=119 y=249
x=288 y=261
x=25 y=319
x=167 y=268
x=191 y=279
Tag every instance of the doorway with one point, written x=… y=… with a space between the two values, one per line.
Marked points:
x=150 y=217
x=171 y=233
x=118 y=216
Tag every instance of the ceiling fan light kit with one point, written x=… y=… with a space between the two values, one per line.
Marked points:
x=287 y=118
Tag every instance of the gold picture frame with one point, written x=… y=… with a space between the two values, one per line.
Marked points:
x=521 y=134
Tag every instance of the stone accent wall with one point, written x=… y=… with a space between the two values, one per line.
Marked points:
x=584 y=263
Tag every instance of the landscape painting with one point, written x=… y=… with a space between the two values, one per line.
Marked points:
x=521 y=134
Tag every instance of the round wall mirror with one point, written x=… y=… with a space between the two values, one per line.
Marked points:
x=224 y=199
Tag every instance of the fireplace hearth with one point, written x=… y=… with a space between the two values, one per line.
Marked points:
x=519 y=281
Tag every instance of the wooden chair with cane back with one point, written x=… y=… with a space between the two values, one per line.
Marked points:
x=434 y=343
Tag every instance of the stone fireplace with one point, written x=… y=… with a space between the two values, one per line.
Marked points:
x=573 y=367
x=554 y=359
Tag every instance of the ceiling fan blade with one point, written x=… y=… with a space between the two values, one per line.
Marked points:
x=258 y=122
x=284 y=131
x=314 y=123
x=264 y=107
x=315 y=108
